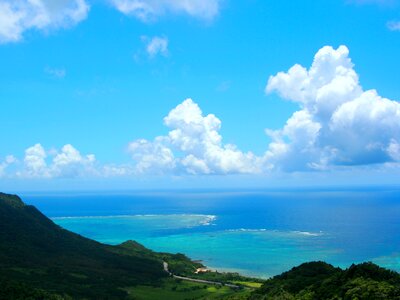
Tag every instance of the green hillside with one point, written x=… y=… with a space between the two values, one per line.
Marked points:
x=35 y=251
x=319 y=280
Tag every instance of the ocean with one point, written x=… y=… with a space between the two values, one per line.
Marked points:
x=257 y=233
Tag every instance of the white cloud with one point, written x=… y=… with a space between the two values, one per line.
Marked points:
x=156 y=45
x=153 y=157
x=67 y=162
x=35 y=162
x=18 y=16
x=193 y=145
x=146 y=10
x=338 y=122
x=70 y=163
x=394 y=25
x=394 y=150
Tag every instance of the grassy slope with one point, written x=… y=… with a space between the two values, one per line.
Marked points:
x=175 y=289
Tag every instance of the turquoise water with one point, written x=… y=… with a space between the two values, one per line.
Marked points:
x=254 y=233
x=266 y=252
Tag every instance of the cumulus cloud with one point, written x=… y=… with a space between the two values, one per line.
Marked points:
x=35 y=162
x=66 y=162
x=18 y=16
x=193 y=145
x=338 y=122
x=70 y=163
x=154 y=157
x=146 y=10
x=156 y=45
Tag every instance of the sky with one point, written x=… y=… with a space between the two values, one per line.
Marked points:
x=148 y=94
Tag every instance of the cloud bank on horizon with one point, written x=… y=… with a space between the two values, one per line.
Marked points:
x=338 y=124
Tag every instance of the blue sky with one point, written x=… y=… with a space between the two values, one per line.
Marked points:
x=85 y=87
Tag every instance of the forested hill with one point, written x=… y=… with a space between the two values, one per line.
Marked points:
x=35 y=252
x=319 y=280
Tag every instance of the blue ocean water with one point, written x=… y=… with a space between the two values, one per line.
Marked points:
x=258 y=233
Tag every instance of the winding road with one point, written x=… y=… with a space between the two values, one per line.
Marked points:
x=165 y=264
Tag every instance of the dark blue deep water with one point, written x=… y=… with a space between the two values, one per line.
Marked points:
x=259 y=233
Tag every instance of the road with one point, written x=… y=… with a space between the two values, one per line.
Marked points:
x=165 y=265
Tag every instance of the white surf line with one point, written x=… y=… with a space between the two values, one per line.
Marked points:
x=209 y=218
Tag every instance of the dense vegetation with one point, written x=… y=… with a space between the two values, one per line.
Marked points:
x=34 y=252
x=40 y=260
x=318 y=280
